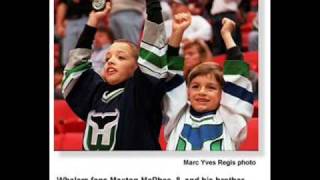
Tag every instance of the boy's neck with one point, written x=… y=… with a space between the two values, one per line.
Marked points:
x=195 y=113
x=116 y=86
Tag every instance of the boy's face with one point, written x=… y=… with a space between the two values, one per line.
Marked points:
x=204 y=93
x=120 y=63
x=191 y=58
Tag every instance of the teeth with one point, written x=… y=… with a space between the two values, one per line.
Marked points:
x=202 y=100
x=111 y=70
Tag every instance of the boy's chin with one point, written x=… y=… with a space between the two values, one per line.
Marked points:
x=203 y=109
x=112 y=81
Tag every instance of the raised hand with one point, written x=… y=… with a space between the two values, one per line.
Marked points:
x=228 y=26
x=181 y=22
x=95 y=16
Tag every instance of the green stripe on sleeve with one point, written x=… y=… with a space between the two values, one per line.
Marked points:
x=175 y=63
x=159 y=61
x=78 y=68
x=235 y=67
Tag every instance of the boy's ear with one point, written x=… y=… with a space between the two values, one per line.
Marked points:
x=136 y=66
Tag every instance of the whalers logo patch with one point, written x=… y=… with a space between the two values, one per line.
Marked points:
x=197 y=137
x=100 y=133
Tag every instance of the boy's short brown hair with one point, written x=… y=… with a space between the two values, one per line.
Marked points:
x=207 y=68
x=134 y=48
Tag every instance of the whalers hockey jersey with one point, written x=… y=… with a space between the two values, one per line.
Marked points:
x=127 y=116
x=224 y=128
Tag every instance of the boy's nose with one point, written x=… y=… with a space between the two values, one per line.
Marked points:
x=202 y=90
x=111 y=61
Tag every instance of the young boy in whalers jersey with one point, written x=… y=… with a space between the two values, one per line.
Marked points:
x=123 y=107
x=220 y=101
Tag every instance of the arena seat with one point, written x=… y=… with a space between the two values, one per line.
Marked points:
x=245 y=41
x=250 y=16
x=251 y=143
x=255 y=108
x=162 y=140
x=65 y=120
x=246 y=28
x=219 y=59
x=252 y=59
x=68 y=142
x=74 y=126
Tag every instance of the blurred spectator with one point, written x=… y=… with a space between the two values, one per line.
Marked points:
x=244 y=7
x=196 y=7
x=102 y=41
x=126 y=19
x=58 y=75
x=219 y=10
x=57 y=52
x=253 y=36
x=71 y=16
x=194 y=53
x=207 y=9
x=254 y=4
x=199 y=28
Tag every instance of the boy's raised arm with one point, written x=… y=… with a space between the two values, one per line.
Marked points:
x=237 y=97
x=78 y=58
x=233 y=51
x=180 y=22
x=89 y=30
x=153 y=48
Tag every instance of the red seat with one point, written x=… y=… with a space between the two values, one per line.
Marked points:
x=65 y=120
x=162 y=140
x=251 y=143
x=252 y=59
x=219 y=59
x=74 y=126
x=250 y=16
x=68 y=142
x=255 y=108
x=245 y=41
x=246 y=28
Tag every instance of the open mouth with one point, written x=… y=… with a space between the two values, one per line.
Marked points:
x=202 y=100
x=111 y=71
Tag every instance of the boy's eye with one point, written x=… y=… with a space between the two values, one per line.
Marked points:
x=121 y=57
x=195 y=86
x=212 y=88
x=107 y=59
